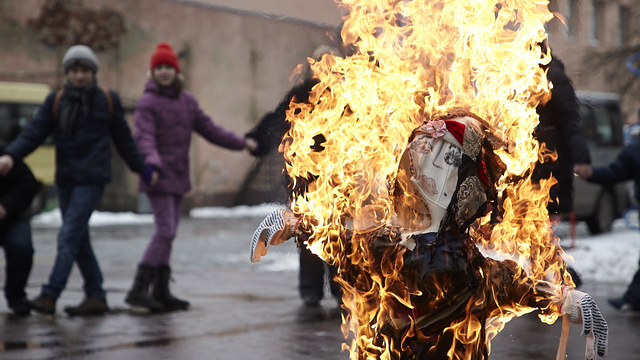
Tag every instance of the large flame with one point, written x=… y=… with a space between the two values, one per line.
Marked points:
x=414 y=60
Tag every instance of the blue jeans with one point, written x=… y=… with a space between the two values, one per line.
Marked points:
x=76 y=205
x=18 y=252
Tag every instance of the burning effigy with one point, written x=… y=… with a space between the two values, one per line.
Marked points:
x=411 y=160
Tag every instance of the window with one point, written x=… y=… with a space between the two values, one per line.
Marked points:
x=573 y=18
x=14 y=118
x=597 y=19
x=622 y=31
x=9 y=128
x=602 y=124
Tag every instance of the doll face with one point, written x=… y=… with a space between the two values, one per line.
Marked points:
x=80 y=75
x=164 y=74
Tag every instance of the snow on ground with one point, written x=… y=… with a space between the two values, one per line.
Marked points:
x=101 y=218
x=98 y=218
x=235 y=212
x=611 y=257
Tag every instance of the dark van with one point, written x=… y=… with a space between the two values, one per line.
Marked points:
x=602 y=125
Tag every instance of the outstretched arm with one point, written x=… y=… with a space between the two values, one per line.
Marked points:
x=214 y=133
x=276 y=228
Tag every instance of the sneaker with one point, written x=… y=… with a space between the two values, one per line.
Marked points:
x=89 y=306
x=44 y=304
x=20 y=307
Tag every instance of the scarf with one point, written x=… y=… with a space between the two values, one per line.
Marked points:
x=76 y=100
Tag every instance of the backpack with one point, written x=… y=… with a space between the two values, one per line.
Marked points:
x=56 y=101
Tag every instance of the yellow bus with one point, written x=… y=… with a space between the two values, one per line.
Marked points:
x=19 y=103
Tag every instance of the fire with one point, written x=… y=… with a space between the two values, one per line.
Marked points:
x=414 y=60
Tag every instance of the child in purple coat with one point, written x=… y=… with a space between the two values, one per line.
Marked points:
x=165 y=117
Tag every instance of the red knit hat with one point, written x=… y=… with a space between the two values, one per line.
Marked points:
x=164 y=54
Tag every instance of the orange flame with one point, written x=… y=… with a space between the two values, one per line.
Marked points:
x=417 y=59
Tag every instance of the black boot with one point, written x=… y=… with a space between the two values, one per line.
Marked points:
x=139 y=294
x=161 y=290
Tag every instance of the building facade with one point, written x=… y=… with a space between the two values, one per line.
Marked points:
x=594 y=38
x=237 y=62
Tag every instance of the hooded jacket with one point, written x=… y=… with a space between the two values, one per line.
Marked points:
x=164 y=121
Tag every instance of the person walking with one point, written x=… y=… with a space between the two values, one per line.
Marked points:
x=165 y=118
x=625 y=167
x=269 y=133
x=17 y=189
x=83 y=119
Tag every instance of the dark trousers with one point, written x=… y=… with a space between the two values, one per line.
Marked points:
x=18 y=252
x=74 y=245
x=312 y=272
x=632 y=296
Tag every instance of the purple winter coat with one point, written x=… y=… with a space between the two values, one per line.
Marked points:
x=163 y=126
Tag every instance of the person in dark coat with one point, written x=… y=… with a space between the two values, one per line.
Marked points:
x=166 y=117
x=17 y=189
x=625 y=167
x=83 y=119
x=269 y=133
x=560 y=130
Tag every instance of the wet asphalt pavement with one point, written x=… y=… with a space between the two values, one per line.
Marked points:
x=239 y=310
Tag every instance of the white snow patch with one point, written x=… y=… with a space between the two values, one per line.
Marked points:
x=275 y=262
x=53 y=218
x=610 y=257
x=606 y=258
x=235 y=212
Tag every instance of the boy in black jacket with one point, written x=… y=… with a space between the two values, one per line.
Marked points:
x=83 y=119
x=17 y=189
x=625 y=167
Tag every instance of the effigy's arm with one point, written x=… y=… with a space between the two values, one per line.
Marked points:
x=276 y=228
x=510 y=289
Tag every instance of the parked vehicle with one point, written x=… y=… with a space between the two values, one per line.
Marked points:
x=602 y=125
x=19 y=103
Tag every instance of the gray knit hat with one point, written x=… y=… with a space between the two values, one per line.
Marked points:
x=80 y=55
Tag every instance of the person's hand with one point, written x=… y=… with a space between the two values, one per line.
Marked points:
x=583 y=310
x=585 y=171
x=3 y=212
x=154 y=178
x=275 y=229
x=6 y=164
x=149 y=175
x=251 y=145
